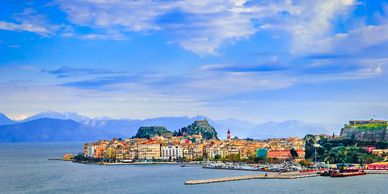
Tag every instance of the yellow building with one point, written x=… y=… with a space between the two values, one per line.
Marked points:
x=197 y=138
x=86 y=150
x=216 y=149
x=149 y=151
x=110 y=152
x=122 y=151
x=380 y=152
x=133 y=151
x=233 y=149
x=193 y=151
x=68 y=157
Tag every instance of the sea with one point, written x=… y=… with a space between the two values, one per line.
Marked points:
x=25 y=168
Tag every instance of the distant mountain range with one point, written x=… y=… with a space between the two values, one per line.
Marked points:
x=4 y=120
x=47 y=129
x=58 y=115
x=70 y=126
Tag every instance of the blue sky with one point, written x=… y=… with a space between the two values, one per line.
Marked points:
x=316 y=61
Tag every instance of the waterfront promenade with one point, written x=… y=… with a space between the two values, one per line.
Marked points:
x=137 y=163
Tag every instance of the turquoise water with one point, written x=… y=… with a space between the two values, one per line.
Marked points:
x=25 y=168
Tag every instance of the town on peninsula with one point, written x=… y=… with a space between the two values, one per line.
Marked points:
x=361 y=144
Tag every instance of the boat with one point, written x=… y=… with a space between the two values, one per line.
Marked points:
x=348 y=172
x=326 y=173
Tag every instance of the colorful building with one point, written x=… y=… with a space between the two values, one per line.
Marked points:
x=378 y=166
x=190 y=148
x=284 y=154
x=380 y=152
x=149 y=151
x=261 y=153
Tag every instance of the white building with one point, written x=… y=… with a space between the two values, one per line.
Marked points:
x=91 y=151
x=170 y=152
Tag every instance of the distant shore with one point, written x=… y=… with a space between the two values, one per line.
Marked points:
x=138 y=163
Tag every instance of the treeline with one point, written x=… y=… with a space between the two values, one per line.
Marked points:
x=337 y=150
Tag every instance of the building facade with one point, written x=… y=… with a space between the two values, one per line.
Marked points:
x=171 y=152
x=284 y=154
x=149 y=151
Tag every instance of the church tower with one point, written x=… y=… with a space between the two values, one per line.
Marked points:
x=228 y=135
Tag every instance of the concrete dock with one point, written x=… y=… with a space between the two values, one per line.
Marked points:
x=254 y=176
x=376 y=171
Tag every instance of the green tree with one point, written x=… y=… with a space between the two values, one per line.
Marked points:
x=294 y=153
x=349 y=154
x=200 y=158
x=233 y=157
x=309 y=141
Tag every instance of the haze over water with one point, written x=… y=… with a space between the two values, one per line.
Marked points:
x=25 y=168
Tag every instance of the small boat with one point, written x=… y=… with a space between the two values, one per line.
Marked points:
x=326 y=173
x=345 y=173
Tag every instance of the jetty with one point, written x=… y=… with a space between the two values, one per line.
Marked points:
x=376 y=171
x=254 y=176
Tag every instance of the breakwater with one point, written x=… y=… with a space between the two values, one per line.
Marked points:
x=254 y=176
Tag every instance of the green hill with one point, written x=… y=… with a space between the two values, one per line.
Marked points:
x=200 y=127
x=152 y=131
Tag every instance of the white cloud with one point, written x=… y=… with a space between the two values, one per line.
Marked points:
x=358 y=43
x=111 y=36
x=129 y=15
x=315 y=23
x=202 y=27
x=207 y=36
x=207 y=25
x=30 y=21
x=24 y=27
x=363 y=37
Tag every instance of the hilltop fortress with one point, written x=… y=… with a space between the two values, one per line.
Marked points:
x=366 y=130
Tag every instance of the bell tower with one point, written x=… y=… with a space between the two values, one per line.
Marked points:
x=228 y=135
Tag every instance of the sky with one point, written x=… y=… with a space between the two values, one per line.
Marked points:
x=260 y=60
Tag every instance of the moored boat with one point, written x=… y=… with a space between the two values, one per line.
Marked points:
x=326 y=173
x=345 y=173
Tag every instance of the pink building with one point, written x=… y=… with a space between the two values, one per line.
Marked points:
x=378 y=166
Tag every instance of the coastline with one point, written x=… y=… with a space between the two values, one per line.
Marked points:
x=204 y=167
x=138 y=163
